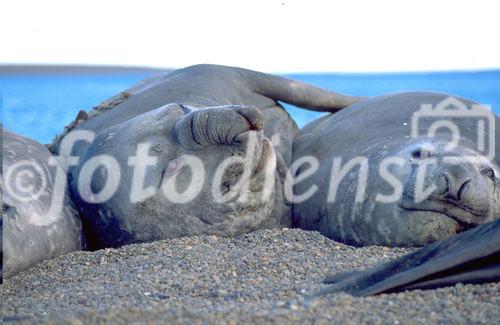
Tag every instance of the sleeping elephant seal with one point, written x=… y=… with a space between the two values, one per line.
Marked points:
x=376 y=183
x=39 y=219
x=188 y=153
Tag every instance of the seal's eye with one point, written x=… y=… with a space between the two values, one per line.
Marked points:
x=421 y=153
x=490 y=172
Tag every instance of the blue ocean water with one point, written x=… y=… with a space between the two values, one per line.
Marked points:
x=40 y=105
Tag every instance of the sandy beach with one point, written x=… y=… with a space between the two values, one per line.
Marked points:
x=263 y=277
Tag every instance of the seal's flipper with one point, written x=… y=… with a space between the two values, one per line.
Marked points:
x=470 y=257
x=297 y=93
x=469 y=273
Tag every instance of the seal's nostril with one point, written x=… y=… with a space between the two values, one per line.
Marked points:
x=445 y=184
x=253 y=118
x=250 y=125
x=462 y=189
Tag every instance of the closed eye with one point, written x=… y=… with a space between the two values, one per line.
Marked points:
x=490 y=173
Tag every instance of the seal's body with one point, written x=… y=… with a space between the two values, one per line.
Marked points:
x=459 y=192
x=202 y=115
x=39 y=218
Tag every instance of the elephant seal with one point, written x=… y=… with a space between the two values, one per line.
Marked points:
x=376 y=184
x=39 y=219
x=469 y=257
x=187 y=153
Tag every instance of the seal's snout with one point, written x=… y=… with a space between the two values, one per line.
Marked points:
x=457 y=189
x=455 y=183
x=253 y=118
x=220 y=125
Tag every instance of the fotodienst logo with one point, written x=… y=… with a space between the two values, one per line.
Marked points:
x=250 y=175
x=443 y=117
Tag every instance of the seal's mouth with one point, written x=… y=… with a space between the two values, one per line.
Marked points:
x=462 y=215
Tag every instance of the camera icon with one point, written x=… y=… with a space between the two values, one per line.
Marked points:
x=446 y=117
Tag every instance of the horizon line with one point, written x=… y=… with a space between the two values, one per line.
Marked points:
x=39 y=68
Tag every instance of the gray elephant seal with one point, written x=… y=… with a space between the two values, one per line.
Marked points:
x=34 y=227
x=187 y=124
x=460 y=192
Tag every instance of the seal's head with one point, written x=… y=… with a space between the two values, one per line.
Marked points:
x=442 y=191
x=179 y=171
x=461 y=185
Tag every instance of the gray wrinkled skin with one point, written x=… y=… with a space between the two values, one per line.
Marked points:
x=26 y=241
x=467 y=192
x=206 y=111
